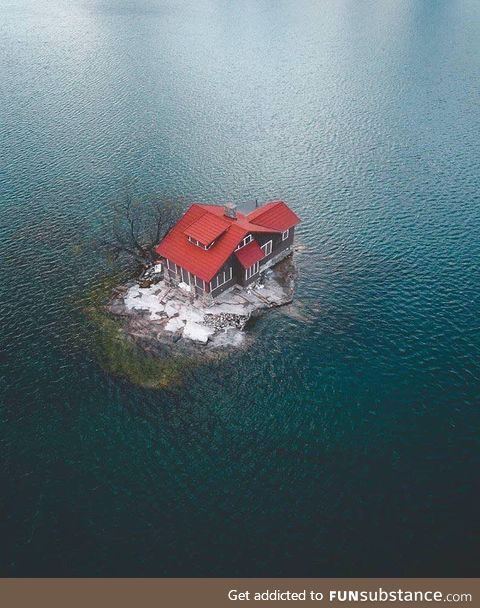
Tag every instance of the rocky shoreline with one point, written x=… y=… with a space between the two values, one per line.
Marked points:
x=165 y=320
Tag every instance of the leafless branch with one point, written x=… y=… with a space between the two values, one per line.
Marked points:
x=137 y=228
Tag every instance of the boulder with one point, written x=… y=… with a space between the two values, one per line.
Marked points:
x=174 y=324
x=197 y=332
x=156 y=311
x=171 y=309
x=192 y=314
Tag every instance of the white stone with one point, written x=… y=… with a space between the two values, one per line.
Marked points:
x=197 y=332
x=144 y=299
x=155 y=313
x=232 y=309
x=174 y=324
x=229 y=337
x=192 y=314
x=171 y=308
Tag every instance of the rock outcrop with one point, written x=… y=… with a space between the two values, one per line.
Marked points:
x=162 y=316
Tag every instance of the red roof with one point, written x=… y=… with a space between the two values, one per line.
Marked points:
x=242 y=220
x=202 y=263
x=207 y=228
x=275 y=215
x=248 y=255
x=207 y=223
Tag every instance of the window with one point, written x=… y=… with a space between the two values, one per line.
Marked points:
x=199 y=283
x=285 y=234
x=173 y=267
x=221 y=278
x=245 y=241
x=267 y=248
x=249 y=272
x=185 y=275
x=198 y=244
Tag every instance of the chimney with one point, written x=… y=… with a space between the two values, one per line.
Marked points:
x=230 y=211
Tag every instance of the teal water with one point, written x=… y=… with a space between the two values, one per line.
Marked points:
x=343 y=444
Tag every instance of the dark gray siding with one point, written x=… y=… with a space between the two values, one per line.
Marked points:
x=278 y=246
x=220 y=277
x=241 y=276
x=178 y=274
x=173 y=270
x=238 y=271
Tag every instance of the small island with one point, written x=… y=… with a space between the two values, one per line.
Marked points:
x=213 y=271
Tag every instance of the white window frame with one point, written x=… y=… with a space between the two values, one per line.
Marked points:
x=221 y=279
x=200 y=283
x=198 y=244
x=285 y=234
x=173 y=267
x=245 y=241
x=252 y=270
x=182 y=275
x=266 y=249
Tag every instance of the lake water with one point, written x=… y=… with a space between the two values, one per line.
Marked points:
x=343 y=442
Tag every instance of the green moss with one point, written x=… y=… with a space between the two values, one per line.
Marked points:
x=116 y=353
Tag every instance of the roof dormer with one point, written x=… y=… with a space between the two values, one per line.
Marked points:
x=206 y=230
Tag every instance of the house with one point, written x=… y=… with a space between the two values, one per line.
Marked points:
x=213 y=248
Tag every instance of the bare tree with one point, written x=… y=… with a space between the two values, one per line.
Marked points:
x=137 y=228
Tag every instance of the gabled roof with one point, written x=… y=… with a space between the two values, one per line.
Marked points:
x=250 y=254
x=242 y=220
x=200 y=262
x=276 y=215
x=207 y=223
x=207 y=228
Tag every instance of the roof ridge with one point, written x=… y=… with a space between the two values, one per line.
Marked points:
x=204 y=263
x=259 y=211
x=197 y=218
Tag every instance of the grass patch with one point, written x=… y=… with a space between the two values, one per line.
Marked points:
x=116 y=353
